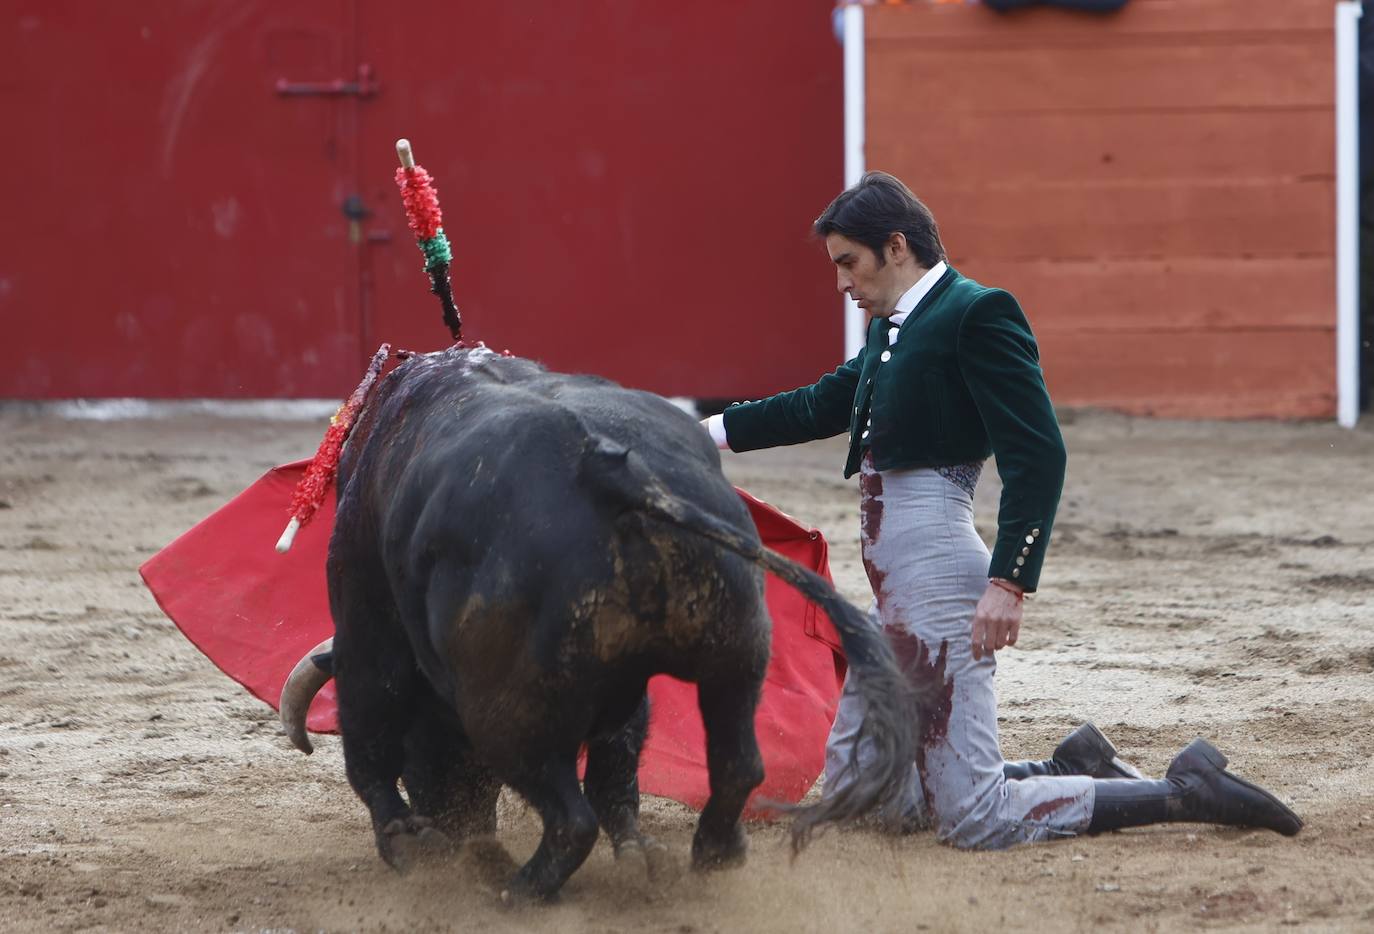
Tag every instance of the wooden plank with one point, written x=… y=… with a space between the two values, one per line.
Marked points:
x=1168 y=295
x=1094 y=147
x=943 y=80
x=1156 y=187
x=1265 y=374
x=923 y=21
x=1215 y=218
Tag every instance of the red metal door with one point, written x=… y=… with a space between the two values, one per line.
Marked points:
x=179 y=227
x=628 y=187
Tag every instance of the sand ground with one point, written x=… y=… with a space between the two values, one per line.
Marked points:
x=1205 y=578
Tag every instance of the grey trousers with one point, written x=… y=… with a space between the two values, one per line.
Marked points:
x=928 y=568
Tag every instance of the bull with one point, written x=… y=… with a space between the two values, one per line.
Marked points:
x=515 y=553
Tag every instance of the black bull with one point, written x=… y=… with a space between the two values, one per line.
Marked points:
x=515 y=553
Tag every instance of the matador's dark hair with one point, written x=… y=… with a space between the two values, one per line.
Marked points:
x=876 y=208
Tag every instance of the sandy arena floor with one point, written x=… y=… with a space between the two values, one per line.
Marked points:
x=1204 y=578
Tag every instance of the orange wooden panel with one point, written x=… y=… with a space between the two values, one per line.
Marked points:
x=924 y=21
x=970 y=148
x=940 y=79
x=1258 y=374
x=1170 y=295
x=1069 y=221
x=1157 y=187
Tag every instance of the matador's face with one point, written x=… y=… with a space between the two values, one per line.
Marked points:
x=858 y=274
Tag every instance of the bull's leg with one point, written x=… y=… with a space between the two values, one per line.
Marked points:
x=376 y=692
x=612 y=779
x=444 y=782
x=612 y=785
x=570 y=830
x=734 y=763
x=374 y=757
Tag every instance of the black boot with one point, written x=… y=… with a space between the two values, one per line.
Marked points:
x=1196 y=789
x=1086 y=751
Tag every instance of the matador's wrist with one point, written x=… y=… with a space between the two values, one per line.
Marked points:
x=1003 y=584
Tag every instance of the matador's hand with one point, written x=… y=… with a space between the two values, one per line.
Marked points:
x=997 y=621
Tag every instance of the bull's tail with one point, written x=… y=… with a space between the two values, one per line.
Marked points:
x=890 y=722
x=889 y=726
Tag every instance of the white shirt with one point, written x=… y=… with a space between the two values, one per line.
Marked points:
x=912 y=297
x=905 y=305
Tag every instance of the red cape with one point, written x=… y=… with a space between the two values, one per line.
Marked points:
x=255 y=613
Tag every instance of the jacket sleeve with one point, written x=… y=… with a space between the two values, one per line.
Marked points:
x=810 y=413
x=1000 y=363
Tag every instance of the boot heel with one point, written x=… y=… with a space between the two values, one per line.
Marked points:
x=1213 y=755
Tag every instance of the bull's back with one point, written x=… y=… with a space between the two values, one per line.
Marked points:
x=486 y=421
x=501 y=519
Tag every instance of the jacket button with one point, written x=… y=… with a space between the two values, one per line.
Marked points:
x=1015 y=572
x=864 y=435
x=1020 y=561
x=1029 y=540
x=1035 y=532
x=1025 y=551
x=886 y=356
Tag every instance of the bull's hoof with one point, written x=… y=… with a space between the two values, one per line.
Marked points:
x=709 y=854
x=408 y=842
x=520 y=892
x=646 y=860
x=515 y=895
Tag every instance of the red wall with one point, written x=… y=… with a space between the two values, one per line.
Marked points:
x=628 y=188
x=1156 y=186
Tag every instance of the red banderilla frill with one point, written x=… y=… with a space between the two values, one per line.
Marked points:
x=310 y=492
x=421 y=202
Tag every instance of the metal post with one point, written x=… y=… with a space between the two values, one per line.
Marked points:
x=854 y=102
x=1347 y=213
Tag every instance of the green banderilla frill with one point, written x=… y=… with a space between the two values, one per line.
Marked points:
x=436 y=250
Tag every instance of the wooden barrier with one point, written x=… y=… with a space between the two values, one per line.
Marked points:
x=1157 y=187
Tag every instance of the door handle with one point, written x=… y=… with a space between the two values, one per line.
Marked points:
x=364 y=86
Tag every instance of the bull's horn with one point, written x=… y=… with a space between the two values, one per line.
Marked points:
x=300 y=689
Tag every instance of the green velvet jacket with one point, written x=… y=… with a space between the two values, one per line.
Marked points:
x=962 y=382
